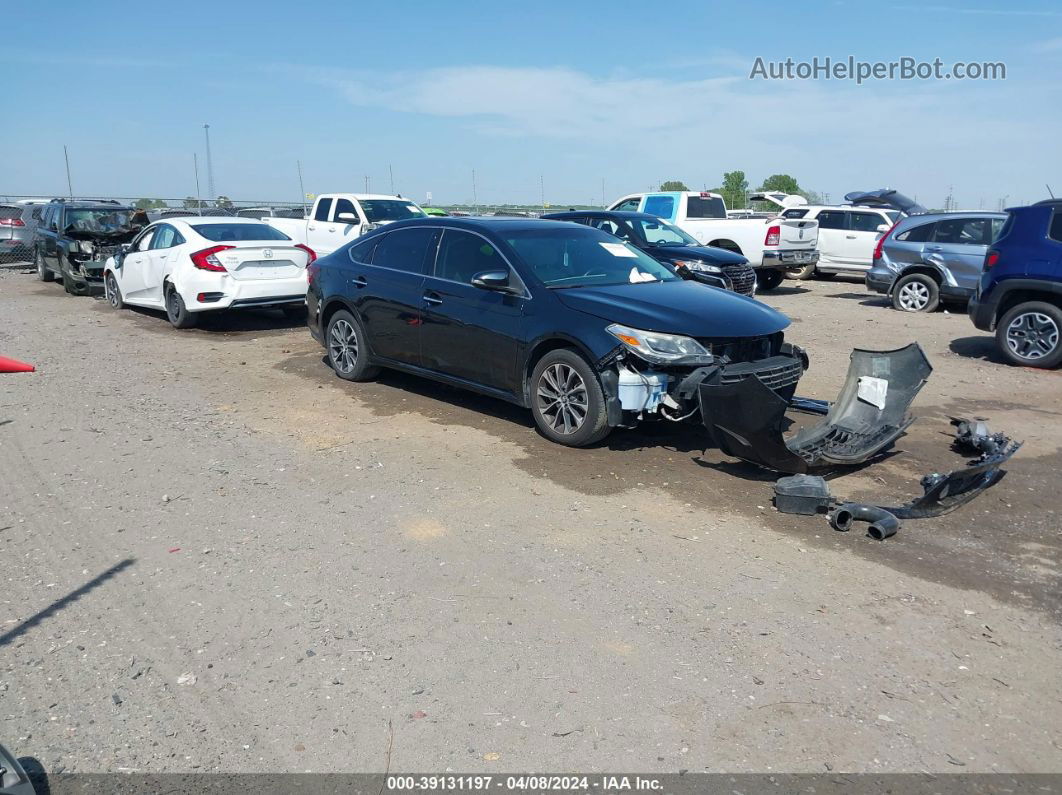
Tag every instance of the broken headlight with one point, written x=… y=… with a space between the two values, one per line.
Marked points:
x=659 y=348
x=698 y=265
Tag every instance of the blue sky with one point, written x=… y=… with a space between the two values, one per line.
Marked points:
x=629 y=92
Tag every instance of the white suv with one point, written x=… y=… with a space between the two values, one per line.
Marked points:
x=847 y=236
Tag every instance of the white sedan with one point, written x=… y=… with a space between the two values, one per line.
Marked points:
x=186 y=266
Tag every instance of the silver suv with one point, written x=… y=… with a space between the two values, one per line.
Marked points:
x=934 y=257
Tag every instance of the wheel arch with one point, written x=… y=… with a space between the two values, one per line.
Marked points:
x=726 y=243
x=1019 y=296
x=333 y=305
x=544 y=346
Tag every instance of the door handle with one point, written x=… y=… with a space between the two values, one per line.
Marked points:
x=432 y=298
x=331 y=229
x=359 y=281
x=311 y=227
x=932 y=248
x=850 y=237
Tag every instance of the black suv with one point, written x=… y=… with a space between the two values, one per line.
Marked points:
x=586 y=330
x=75 y=238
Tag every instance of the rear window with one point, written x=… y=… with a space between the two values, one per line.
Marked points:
x=10 y=212
x=225 y=233
x=794 y=213
x=1056 y=227
x=705 y=207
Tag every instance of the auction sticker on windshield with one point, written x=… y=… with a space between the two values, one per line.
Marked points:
x=618 y=250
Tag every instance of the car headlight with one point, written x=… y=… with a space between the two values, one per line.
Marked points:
x=659 y=348
x=698 y=265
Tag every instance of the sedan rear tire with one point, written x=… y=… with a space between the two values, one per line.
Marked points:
x=112 y=292
x=177 y=312
x=768 y=280
x=567 y=400
x=1030 y=335
x=348 y=348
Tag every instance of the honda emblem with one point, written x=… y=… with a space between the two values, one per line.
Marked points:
x=267 y=253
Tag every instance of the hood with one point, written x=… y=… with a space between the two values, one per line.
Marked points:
x=676 y=307
x=709 y=254
x=886 y=197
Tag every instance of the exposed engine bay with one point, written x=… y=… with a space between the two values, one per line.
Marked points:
x=89 y=251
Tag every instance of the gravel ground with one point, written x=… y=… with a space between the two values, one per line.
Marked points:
x=219 y=557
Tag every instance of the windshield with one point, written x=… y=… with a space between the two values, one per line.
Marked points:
x=99 y=220
x=220 y=233
x=661 y=233
x=377 y=210
x=580 y=257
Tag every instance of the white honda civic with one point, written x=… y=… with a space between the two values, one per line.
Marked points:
x=186 y=266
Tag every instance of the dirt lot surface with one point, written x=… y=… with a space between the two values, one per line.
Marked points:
x=218 y=556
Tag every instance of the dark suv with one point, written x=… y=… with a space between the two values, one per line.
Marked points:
x=1019 y=295
x=586 y=330
x=75 y=238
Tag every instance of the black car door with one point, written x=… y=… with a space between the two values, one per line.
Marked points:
x=469 y=332
x=389 y=292
x=47 y=234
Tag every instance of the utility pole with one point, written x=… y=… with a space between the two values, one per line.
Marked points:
x=602 y=191
x=366 y=183
x=475 y=201
x=210 y=164
x=302 y=190
x=392 y=173
x=69 y=185
x=195 y=165
x=542 y=189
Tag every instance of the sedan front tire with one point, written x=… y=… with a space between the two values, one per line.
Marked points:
x=567 y=400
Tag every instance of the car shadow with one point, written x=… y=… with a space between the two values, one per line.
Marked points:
x=239 y=321
x=865 y=299
x=982 y=347
x=783 y=289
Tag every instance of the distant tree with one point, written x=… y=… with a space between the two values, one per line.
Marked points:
x=148 y=204
x=782 y=183
x=673 y=184
x=192 y=203
x=734 y=189
x=223 y=201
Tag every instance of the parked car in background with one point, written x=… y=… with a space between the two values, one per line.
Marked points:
x=672 y=246
x=185 y=212
x=587 y=331
x=436 y=211
x=338 y=218
x=771 y=245
x=75 y=238
x=271 y=212
x=190 y=266
x=18 y=222
x=1019 y=294
x=926 y=259
x=847 y=237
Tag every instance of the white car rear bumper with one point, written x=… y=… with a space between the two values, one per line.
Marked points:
x=210 y=291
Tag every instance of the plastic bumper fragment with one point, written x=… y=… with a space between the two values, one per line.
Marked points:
x=744 y=418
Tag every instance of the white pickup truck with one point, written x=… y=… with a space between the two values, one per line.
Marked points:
x=338 y=218
x=771 y=245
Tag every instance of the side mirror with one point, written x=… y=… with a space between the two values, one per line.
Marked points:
x=125 y=248
x=497 y=281
x=348 y=218
x=884 y=227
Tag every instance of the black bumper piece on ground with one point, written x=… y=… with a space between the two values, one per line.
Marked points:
x=744 y=417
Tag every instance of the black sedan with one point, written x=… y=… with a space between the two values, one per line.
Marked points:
x=671 y=245
x=587 y=331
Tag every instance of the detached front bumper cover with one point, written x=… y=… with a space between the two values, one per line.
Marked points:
x=745 y=418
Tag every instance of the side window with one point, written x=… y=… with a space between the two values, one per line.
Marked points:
x=321 y=213
x=864 y=222
x=53 y=218
x=831 y=219
x=362 y=252
x=997 y=226
x=462 y=255
x=345 y=206
x=963 y=232
x=920 y=234
x=660 y=206
x=630 y=205
x=404 y=249
x=143 y=240
x=605 y=225
x=166 y=237
x=1055 y=232
x=36 y=215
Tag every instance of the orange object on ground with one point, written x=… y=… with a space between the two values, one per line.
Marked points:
x=15 y=366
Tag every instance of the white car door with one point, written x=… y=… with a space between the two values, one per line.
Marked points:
x=131 y=274
x=166 y=245
x=345 y=229
x=318 y=236
x=831 y=237
x=861 y=236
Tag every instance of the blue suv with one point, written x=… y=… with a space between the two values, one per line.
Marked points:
x=1019 y=295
